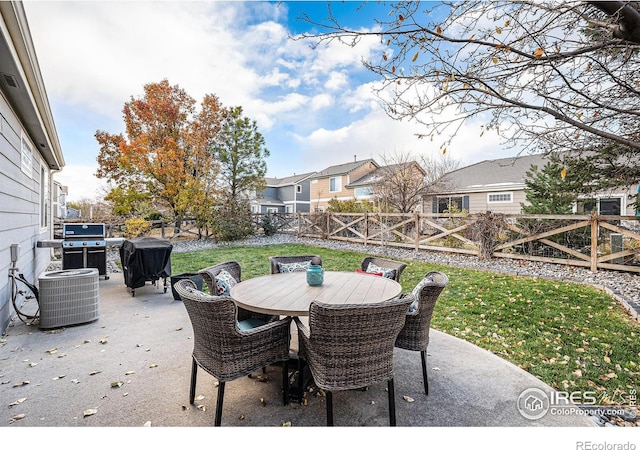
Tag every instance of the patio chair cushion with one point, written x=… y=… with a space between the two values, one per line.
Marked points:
x=388 y=273
x=246 y=325
x=224 y=282
x=416 y=293
x=294 y=266
x=369 y=273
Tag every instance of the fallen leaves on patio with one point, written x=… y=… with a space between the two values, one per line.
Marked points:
x=17 y=402
x=18 y=417
x=116 y=384
x=263 y=401
x=24 y=383
x=90 y=412
x=408 y=399
x=153 y=366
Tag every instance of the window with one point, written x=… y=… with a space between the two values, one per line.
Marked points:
x=610 y=206
x=503 y=197
x=450 y=204
x=335 y=184
x=363 y=192
x=299 y=188
x=26 y=158
x=288 y=208
x=44 y=198
x=603 y=206
x=272 y=210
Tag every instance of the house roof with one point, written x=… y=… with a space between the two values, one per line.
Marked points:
x=342 y=169
x=371 y=177
x=493 y=174
x=287 y=181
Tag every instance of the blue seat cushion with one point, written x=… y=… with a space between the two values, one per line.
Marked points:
x=246 y=325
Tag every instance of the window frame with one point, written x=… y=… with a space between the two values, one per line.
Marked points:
x=337 y=184
x=26 y=156
x=499 y=194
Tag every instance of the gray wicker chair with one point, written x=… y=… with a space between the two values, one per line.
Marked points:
x=276 y=260
x=351 y=346
x=385 y=263
x=209 y=276
x=415 y=333
x=225 y=351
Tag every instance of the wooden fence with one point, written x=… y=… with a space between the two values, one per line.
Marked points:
x=591 y=241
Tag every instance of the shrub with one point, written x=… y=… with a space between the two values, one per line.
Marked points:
x=135 y=227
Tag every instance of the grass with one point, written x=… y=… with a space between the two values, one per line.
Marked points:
x=570 y=336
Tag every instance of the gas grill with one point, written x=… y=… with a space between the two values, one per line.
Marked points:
x=84 y=245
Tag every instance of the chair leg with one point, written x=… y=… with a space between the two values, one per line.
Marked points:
x=300 y=379
x=329 y=408
x=285 y=383
x=218 y=419
x=392 y=403
x=194 y=374
x=425 y=379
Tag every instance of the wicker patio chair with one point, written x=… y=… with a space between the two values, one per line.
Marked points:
x=209 y=275
x=351 y=346
x=292 y=262
x=224 y=350
x=388 y=264
x=415 y=333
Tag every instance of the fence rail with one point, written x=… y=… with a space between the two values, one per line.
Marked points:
x=591 y=241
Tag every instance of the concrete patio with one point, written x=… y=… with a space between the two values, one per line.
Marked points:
x=131 y=368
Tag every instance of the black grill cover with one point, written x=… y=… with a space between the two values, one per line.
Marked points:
x=145 y=259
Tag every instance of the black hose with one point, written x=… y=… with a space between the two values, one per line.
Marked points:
x=15 y=289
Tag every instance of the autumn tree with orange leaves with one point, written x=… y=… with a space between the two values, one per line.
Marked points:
x=164 y=156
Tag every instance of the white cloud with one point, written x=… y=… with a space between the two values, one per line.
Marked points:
x=337 y=80
x=81 y=185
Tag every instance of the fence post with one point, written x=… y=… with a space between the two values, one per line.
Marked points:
x=162 y=227
x=594 y=241
x=416 y=229
x=366 y=227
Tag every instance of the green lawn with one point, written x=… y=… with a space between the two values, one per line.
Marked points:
x=570 y=336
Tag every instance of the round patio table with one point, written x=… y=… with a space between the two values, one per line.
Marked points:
x=288 y=294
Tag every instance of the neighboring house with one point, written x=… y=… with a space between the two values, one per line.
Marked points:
x=336 y=182
x=284 y=195
x=498 y=185
x=30 y=153
x=364 y=187
x=60 y=193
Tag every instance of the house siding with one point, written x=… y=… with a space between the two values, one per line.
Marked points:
x=24 y=114
x=19 y=209
x=478 y=202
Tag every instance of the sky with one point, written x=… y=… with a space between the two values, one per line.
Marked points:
x=314 y=107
